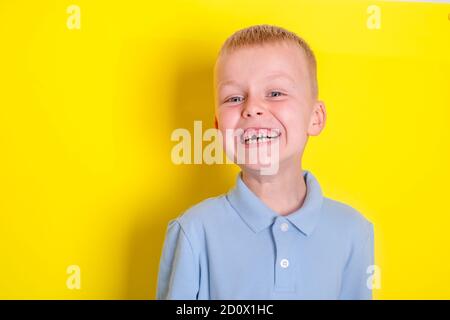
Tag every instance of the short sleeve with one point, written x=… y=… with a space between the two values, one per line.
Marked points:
x=178 y=276
x=356 y=273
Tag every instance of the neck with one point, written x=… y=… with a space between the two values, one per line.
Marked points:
x=283 y=192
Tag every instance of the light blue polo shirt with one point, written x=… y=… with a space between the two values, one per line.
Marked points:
x=235 y=247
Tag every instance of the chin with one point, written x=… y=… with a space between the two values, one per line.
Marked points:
x=261 y=169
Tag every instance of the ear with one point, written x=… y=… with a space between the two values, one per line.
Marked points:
x=318 y=118
x=216 y=124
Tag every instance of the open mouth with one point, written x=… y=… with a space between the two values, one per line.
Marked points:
x=259 y=135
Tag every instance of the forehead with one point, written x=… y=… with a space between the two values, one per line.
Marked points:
x=284 y=61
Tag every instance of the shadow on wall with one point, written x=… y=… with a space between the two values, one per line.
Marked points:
x=194 y=100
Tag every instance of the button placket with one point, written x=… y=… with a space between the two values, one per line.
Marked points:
x=283 y=264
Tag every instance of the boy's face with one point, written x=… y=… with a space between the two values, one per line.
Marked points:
x=267 y=90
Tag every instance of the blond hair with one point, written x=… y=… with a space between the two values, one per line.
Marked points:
x=264 y=34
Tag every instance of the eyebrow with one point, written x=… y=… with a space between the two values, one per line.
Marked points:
x=269 y=77
x=279 y=75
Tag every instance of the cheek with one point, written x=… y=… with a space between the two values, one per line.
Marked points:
x=228 y=118
x=292 y=118
x=294 y=121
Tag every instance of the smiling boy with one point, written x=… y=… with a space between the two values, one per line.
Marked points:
x=271 y=236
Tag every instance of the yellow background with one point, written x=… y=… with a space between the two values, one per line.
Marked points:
x=86 y=116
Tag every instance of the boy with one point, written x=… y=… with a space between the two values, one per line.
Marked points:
x=272 y=236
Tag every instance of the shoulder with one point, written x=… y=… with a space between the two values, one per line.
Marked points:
x=193 y=220
x=345 y=219
x=202 y=211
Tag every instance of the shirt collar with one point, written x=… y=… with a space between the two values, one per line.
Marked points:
x=258 y=216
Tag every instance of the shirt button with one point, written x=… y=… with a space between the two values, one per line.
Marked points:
x=284 y=263
x=284 y=227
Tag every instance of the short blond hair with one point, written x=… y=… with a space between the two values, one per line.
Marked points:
x=266 y=34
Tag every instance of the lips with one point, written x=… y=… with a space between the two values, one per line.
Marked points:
x=259 y=135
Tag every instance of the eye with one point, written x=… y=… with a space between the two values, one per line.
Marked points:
x=234 y=99
x=277 y=94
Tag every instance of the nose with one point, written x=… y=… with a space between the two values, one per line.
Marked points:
x=252 y=108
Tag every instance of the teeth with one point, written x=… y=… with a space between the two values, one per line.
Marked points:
x=263 y=136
